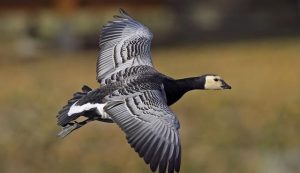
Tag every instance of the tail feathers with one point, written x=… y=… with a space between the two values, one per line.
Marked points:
x=70 y=127
x=63 y=118
x=67 y=130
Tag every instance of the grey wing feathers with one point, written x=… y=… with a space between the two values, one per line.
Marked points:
x=124 y=42
x=151 y=129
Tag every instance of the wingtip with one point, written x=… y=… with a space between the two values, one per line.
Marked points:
x=123 y=13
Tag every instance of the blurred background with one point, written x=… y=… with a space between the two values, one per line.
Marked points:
x=48 y=50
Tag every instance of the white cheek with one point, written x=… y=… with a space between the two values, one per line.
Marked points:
x=212 y=85
x=207 y=85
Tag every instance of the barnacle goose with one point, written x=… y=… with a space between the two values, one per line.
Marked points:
x=134 y=95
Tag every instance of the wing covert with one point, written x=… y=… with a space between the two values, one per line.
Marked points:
x=124 y=42
x=151 y=128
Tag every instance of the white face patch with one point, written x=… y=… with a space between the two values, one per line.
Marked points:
x=213 y=83
x=88 y=106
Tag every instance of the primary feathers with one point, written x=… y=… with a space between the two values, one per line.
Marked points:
x=134 y=95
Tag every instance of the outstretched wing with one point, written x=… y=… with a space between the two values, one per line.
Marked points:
x=151 y=128
x=124 y=42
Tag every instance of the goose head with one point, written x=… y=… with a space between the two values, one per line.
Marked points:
x=213 y=82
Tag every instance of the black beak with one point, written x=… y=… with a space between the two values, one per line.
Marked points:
x=225 y=85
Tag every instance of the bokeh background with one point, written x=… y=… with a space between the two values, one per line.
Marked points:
x=48 y=50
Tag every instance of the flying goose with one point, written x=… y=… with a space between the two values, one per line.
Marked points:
x=134 y=95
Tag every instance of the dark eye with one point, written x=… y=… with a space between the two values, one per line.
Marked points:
x=216 y=79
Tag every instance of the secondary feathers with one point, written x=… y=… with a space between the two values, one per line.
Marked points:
x=134 y=95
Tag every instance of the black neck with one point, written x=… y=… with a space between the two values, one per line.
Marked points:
x=175 y=89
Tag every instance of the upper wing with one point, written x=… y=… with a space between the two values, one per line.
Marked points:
x=124 y=42
x=151 y=128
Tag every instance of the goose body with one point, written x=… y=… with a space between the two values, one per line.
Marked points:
x=134 y=95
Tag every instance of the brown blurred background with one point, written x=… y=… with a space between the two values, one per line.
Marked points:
x=48 y=50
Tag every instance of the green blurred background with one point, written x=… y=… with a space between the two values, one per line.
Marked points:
x=48 y=50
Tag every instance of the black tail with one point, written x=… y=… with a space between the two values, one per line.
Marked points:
x=62 y=118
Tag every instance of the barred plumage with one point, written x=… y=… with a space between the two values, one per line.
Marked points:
x=134 y=95
x=124 y=42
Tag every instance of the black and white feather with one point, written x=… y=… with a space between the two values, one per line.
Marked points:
x=151 y=128
x=124 y=42
x=131 y=95
x=134 y=95
x=63 y=118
